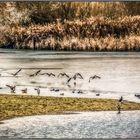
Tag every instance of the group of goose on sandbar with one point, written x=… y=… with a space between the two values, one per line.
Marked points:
x=60 y=75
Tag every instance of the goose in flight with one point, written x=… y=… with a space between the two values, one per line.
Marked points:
x=78 y=75
x=35 y=74
x=48 y=74
x=94 y=77
x=63 y=74
x=69 y=80
x=12 y=88
x=16 y=73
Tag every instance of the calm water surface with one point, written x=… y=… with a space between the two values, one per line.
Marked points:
x=119 y=72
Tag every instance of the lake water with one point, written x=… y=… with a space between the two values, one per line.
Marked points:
x=119 y=72
x=120 y=76
x=106 y=124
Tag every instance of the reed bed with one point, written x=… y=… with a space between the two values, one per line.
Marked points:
x=92 y=34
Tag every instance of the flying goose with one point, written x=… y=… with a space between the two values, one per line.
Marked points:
x=63 y=74
x=35 y=74
x=94 y=77
x=48 y=74
x=78 y=75
x=16 y=73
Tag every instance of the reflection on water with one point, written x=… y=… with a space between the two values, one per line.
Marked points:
x=82 y=125
x=119 y=72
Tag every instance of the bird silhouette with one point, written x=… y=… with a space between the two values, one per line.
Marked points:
x=52 y=74
x=137 y=95
x=78 y=75
x=24 y=90
x=48 y=74
x=38 y=90
x=121 y=99
x=12 y=88
x=56 y=90
x=74 y=84
x=63 y=74
x=69 y=80
x=62 y=94
x=73 y=91
x=94 y=77
x=68 y=85
x=16 y=73
x=97 y=94
x=119 y=108
x=80 y=92
x=35 y=74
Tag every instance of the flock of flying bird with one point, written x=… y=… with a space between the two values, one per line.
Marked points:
x=38 y=72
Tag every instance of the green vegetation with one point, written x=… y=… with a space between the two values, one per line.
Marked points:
x=17 y=105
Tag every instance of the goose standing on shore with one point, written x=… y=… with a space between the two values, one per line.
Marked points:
x=121 y=99
x=24 y=90
x=137 y=95
x=119 y=108
x=38 y=91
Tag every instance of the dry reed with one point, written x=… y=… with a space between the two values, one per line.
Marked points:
x=92 y=34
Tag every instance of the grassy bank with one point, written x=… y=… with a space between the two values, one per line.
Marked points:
x=14 y=106
x=92 y=34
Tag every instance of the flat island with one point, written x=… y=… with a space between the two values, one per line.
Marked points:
x=26 y=105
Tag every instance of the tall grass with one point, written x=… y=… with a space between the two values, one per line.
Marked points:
x=93 y=34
